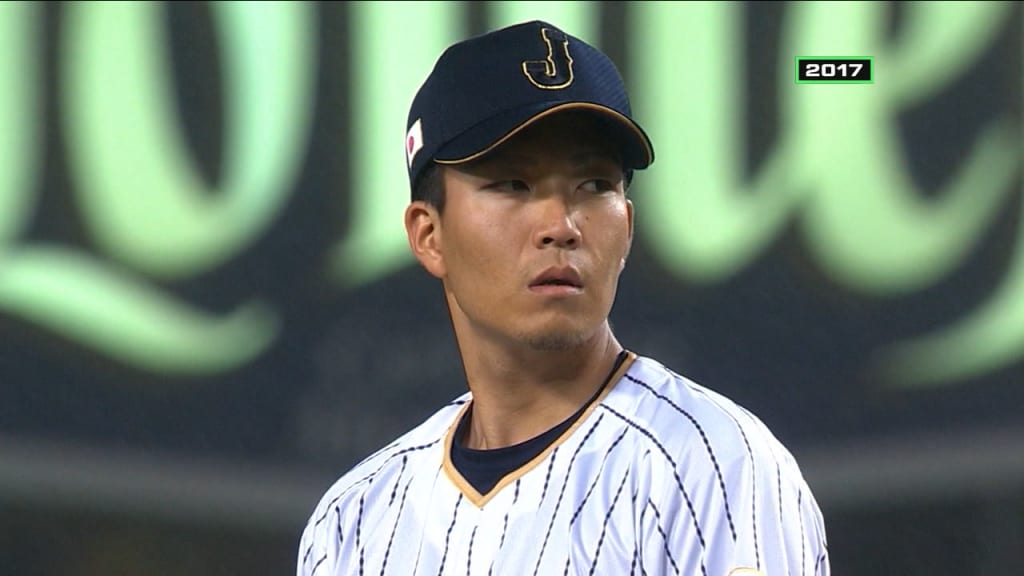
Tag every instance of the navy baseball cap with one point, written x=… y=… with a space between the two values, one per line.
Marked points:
x=484 y=90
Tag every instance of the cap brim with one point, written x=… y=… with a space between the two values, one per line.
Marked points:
x=638 y=153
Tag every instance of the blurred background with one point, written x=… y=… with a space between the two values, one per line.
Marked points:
x=208 y=311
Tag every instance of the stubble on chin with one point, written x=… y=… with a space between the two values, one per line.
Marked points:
x=554 y=340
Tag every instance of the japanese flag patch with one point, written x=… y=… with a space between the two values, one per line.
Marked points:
x=413 y=141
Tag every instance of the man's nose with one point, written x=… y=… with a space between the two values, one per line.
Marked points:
x=557 y=223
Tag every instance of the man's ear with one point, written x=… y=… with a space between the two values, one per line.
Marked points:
x=629 y=242
x=423 y=229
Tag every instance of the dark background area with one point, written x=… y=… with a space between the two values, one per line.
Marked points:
x=98 y=459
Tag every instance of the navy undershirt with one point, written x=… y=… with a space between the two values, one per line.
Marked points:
x=484 y=468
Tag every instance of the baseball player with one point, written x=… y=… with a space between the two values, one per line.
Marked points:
x=569 y=454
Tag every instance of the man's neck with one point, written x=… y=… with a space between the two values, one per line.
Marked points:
x=521 y=393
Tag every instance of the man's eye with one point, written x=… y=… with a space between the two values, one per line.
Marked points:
x=598 y=186
x=509 y=186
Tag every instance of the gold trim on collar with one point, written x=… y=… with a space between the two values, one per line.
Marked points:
x=479 y=499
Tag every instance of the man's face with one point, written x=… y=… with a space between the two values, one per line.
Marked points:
x=534 y=236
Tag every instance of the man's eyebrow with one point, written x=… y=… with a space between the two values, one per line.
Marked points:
x=590 y=156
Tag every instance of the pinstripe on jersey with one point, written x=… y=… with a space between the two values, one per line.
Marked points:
x=660 y=476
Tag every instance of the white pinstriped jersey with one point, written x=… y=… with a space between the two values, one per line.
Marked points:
x=660 y=476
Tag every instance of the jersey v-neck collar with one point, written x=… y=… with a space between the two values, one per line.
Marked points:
x=536 y=444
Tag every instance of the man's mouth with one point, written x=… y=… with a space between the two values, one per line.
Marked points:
x=562 y=279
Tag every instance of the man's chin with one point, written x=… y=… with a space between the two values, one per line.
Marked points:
x=554 y=341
